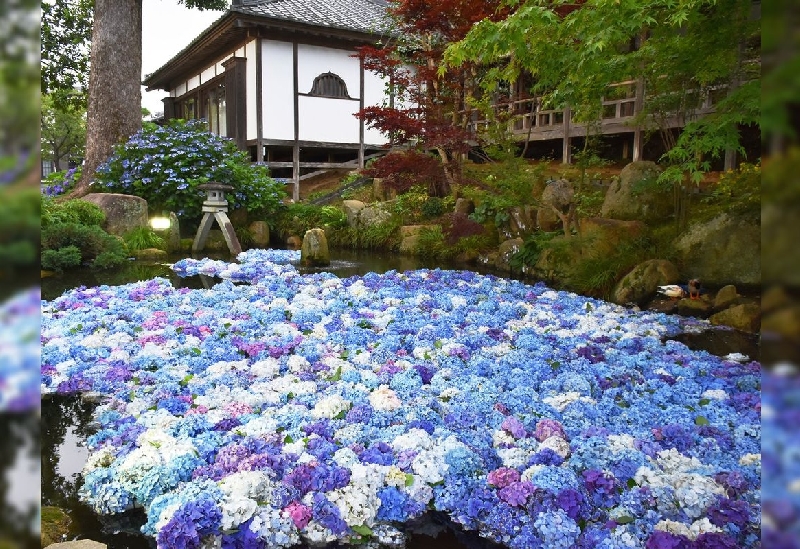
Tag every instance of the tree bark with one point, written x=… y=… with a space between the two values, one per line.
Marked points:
x=115 y=94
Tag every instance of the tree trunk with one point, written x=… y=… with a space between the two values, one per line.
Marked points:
x=115 y=94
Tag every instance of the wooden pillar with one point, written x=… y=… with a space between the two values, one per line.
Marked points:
x=566 y=152
x=236 y=100
x=296 y=147
x=730 y=159
x=169 y=108
x=259 y=103
x=361 y=120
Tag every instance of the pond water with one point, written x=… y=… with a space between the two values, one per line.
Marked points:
x=67 y=420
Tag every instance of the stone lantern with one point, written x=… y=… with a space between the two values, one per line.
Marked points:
x=215 y=207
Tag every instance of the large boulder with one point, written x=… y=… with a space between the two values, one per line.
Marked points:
x=557 y=194
x=634 y=195
x=505 y=252
x=745 y=317
x=605 y=235
x=314 y=252
x=373 y=215
x=123 y=212
x=519 y=221
x=352 y=209
x=259 y=230
x=643 y=280
x=464 y=206
x=409 y=237
x=724 y=250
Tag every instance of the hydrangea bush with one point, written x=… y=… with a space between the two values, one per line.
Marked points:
x=308 y=408
x=165 y=164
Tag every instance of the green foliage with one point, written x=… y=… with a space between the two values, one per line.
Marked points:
x=597 y=274
x=380 y=236
x=76 y=211
x=408 y=205
x=96 y=246
x=244 y=236
x=588 y=202
x=62 y=258
x=142 y=238
x=63 y=130
x=739 y=190
x=298 y=218
x=165 y=165
x=532 y=249
x=19 y=228
x=432 y=207
x=430 y=244
x=58 y=183
x=66 y=31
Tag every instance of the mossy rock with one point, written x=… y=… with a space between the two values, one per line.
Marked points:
x=55 y=525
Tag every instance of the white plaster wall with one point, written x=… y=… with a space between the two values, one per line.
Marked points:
x=250 y=77
x=277 y=88
x=326 y=119
x=208 y=74
x=374 y=96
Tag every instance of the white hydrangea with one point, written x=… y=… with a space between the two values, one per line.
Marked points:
x=357 y=503
x=702 y=526
x=395 y=477
x=715 y=394
x=414 y=439
x=457 y=301
x=250 y=484
x=236 y=510
x=102 y=458
x=528 y=473
x=672 y=461
x=513 y=457
x=673 y=527
x=556 y=444
x=618 y=443
x=317 y=534
x=330 y=407
x=298 y=364
x=500 y=437
x=750 y=459
x=345 y=457
x=429 y=466
x=562 y=400
x=696 y=492
x=384 y=398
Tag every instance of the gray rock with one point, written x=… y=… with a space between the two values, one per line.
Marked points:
x=559 y=195
x=78 y=544
x=123 y=212
x=314 y=252
x=519 y=222
x=260 y=233
x=352 y=208
x=409 y=237
x=634 y=194
x=725 y=297
x=464 y=206
x=784 y=322
x=604 y=235
x=373 y=215
x=745 y=317
x=504 y=253
x=694 y=307
x=294 y=242
x=724 y=250
x=643 y=280
x=173 y=236
x=150 y=254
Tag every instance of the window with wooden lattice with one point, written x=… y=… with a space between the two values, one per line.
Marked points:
x=329 y=85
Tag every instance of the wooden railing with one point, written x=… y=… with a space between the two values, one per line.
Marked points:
x=527 y=117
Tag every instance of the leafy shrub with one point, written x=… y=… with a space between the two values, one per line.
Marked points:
x=432 y=207
x=458 y=225
x=165 y=165
x=401 y=171
x=532 y=249
x=91 y=240
x=142 y=238
x=408 y=205
x=71 y=211
x=739 y=190
x=19 y=227
x=62 y=258
x=298 y=218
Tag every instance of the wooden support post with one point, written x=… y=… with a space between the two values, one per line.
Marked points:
x=637 y=108
x=296 y=147
x=259 y=104
x=361 y=120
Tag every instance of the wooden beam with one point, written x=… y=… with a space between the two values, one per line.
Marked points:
x=566 y=144
x=259 y=103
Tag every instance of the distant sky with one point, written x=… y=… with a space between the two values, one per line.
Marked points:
x=167 y=28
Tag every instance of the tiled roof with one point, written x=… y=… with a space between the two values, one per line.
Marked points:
x=357 y=15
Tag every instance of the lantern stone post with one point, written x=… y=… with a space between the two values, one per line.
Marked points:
x=215 y=208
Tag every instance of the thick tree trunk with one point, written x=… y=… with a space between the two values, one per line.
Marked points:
x=115 y=93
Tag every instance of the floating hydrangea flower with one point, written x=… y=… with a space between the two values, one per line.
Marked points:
x=311 y=409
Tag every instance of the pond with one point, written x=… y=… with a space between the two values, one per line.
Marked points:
x=67 y=420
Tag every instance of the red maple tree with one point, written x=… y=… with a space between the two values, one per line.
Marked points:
x=427 y=113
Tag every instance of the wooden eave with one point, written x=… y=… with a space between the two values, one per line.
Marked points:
x=234 y=30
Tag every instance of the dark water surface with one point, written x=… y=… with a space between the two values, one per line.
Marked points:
x=67 y=420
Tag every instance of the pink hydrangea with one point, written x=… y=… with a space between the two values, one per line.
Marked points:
x=299 y=513
x=547 y=428
x=502 y=477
